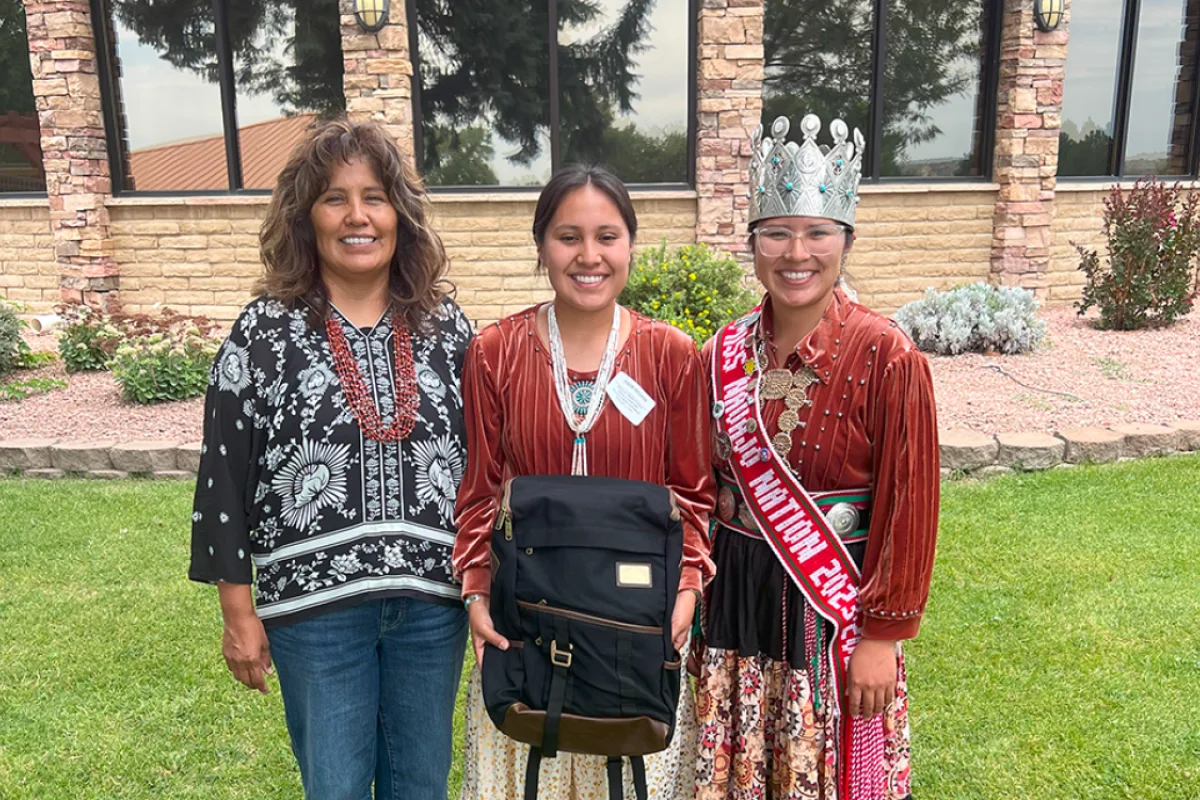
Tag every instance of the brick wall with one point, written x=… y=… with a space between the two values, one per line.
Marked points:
x=1078 y=219
x=911 y=239
x=200 y=255
x=28 y=269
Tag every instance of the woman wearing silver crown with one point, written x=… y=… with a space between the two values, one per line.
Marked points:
x=825 y=443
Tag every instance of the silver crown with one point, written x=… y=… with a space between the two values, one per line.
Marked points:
x=807 y=179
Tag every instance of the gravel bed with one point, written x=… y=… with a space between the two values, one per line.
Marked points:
x=1079 y=377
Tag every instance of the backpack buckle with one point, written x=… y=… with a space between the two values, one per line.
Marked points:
x=559 y=658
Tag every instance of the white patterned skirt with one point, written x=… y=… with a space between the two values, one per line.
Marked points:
x=494 y=765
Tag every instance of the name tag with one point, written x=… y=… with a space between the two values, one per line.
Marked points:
x=629 y=398
x=634 y=576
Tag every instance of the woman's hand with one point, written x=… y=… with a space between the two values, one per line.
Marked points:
x=247 y=651
x=682 y=618
x=871 y=677
x=244 y=643
x=479 y=616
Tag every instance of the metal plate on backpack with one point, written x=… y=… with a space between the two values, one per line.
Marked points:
x=634 y=575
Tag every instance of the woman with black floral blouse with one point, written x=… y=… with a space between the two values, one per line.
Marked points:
x=333 y=449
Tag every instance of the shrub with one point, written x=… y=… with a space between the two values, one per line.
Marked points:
x=87 y=339
x=1153 y=238
x=163 y=357
x=977 y=318
x=12 y=346
x=164 y=366
x=693 y=288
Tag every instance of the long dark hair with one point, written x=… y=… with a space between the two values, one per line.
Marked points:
x=417 y=274
x=575 y=176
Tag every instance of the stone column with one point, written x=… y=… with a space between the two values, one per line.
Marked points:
x=1029 y=116
x=378 y=73
x=730 y=65
x=67 y=91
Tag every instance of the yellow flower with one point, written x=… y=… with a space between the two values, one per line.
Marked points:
x=692 y=275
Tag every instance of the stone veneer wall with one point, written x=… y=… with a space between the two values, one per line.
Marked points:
x=730 y=63
x=914 y=237
x=63 y=55
x=1029 y=116
x=378 y=73
x=28 y=269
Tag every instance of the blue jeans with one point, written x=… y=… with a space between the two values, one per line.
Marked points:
x=369 y=693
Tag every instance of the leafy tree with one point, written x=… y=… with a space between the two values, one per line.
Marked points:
x=1084 y=155
x=458 y=157
x=818 y=59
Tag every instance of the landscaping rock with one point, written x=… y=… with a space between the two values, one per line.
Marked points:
x=147 y=456
x=967 y=450
x=992 y=471
x=81 y=456
x=174 y=475
x=187 y=457
x=45 y=473
x=1143 y=440
x=25 y=454
x=1097 y=445
x=1191 y=433
x=107 y=474
x=1030 y=450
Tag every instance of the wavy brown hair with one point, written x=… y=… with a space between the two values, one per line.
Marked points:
x=417 y=274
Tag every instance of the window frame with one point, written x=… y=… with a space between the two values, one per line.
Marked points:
x=1123 y=102
x=110 y=81
x=989 y=85
x=36 y=194
x=693 y=79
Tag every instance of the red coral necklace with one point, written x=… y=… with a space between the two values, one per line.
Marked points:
x=355 y=388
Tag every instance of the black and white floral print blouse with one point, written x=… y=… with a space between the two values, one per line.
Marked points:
x=289 y=484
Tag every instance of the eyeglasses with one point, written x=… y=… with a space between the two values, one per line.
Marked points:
x=819 y=240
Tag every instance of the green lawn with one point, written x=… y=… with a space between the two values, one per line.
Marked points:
x=1060 y=657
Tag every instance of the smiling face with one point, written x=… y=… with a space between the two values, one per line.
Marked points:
x=795 y=276
x=586 y=250
x=355 y=224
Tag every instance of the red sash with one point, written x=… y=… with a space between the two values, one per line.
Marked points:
x=810 y=551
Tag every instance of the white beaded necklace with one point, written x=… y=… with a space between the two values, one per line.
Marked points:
x=581 y=425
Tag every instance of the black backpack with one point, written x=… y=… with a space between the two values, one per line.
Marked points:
x=584 y=576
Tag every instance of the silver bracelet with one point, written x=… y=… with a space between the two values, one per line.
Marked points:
x=472 y=598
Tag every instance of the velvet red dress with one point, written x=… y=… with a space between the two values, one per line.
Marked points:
x=762 y=701
x=516 y=427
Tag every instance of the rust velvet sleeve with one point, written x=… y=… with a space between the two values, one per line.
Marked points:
x=478 y=495
x=904 y=516
x=689 y=460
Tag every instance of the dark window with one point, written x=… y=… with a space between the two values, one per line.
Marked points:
x=614 y=87
x=20 y=135
x=211 y=95
x=1128 y=107
x=921 y=100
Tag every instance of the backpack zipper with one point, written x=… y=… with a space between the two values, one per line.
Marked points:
x=504 y=517
x=581 y=617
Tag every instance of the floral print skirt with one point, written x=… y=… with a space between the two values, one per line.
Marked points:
x=494 y=765
x=763 y=736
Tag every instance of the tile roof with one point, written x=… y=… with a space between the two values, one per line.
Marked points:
x=199 y=164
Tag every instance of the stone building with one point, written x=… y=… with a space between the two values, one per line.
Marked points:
x=138 y=151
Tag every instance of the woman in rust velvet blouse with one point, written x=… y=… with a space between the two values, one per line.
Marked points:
x=841 y=399
x=584 y=229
